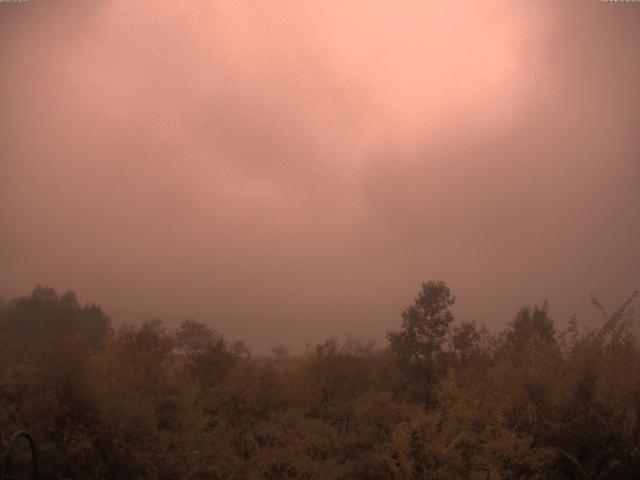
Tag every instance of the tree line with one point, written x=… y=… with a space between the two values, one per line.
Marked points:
x=441 y=399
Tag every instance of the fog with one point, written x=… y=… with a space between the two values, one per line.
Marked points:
x=287 y=171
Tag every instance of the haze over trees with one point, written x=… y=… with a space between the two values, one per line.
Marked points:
x=443 y=399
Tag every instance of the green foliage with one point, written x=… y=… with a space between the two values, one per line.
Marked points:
x=531 y=325
x=45 y=315
x=144 y=402
x=424 y=325
x=205 y=353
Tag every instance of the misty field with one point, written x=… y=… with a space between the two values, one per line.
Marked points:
x=440 y=400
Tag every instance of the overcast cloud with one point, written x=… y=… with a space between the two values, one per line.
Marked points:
x=287 y=171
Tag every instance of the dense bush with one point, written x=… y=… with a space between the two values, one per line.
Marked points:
x=444 y=400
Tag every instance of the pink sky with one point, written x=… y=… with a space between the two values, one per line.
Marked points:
x=287 y=171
